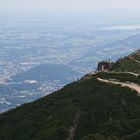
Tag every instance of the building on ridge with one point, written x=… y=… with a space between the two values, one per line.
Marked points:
x=104 y=66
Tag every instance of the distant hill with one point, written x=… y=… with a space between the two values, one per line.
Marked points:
x=35 y=83
x=48 y=72
x=88 y=109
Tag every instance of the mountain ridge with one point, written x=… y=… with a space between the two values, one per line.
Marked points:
x=48 y=72
x=87 y=109
x=130 y=63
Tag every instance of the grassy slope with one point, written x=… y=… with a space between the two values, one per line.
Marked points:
x=106 y=112
x=127 y=64
x=137 y=55
x=122 y=77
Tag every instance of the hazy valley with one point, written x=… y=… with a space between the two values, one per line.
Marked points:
x=76 y=44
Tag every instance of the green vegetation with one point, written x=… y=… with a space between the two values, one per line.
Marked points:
x=98 y=137
x=126 y=65
x=105 y=111
x=137 y=55
x=84 y=110
x=122 y=77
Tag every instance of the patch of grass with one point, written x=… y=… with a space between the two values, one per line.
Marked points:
x=126 y=65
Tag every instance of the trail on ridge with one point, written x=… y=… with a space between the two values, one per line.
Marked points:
x=132 y=86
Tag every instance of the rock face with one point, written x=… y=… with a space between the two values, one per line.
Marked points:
x=89 y=109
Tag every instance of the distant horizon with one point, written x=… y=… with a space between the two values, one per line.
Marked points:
x=125 y=8
x=99 y=18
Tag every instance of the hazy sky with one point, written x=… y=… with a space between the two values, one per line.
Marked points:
x=44 y=6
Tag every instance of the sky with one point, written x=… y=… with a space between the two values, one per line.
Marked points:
x=8 y=7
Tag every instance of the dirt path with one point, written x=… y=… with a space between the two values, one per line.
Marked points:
x=134 y=59
x=72 y=130
x=132 y=86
